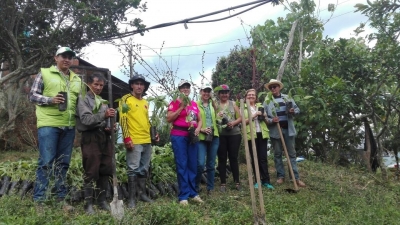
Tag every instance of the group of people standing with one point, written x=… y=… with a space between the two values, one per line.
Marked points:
x=217 y=126
x=200 y=132
x=58 y=85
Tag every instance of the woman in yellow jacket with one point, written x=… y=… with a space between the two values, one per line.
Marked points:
x=261 y=137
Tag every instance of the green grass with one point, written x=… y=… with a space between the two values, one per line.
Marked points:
x=334 y=195
x=18 y=155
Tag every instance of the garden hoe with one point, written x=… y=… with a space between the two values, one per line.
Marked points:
x=258 y=219
x=117 y=206
x=296 y=189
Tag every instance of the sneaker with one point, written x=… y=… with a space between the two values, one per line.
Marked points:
x=238 y=187
x=197 y=199
x=39 y=207
x=222 y=188
x=280 y=180
x=267 y=185
x=184 y=202
x=300 y=183
x=256 y=185
x=65 y=206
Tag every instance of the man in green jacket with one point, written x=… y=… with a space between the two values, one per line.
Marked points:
x=56 y=124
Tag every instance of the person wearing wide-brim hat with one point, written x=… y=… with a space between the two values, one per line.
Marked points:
x=135 y=126
x=230 y=137
x=186 y=125
x=209 y=138
x=280 y=110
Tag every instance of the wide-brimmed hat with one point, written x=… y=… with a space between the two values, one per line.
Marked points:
x=206 y=86
x=65 y=50
x=139 y=77
x=273 y=81
x=182 y=82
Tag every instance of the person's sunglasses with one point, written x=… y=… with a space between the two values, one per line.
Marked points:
x=69 y=57
x=273 y=87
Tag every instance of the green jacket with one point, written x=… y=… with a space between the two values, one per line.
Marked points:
x=263 y=125
x=53 y=82
x=202 y=136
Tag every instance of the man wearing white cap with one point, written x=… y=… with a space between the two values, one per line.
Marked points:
x=55 y=114
x=280 y=110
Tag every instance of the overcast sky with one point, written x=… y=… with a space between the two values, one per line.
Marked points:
x=184 y=48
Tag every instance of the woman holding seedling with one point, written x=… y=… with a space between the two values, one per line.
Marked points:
x=228 y=117
x=183 y=114
x=258 y=116
x=209 y=140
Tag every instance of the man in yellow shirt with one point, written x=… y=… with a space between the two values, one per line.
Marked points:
x=135 y=126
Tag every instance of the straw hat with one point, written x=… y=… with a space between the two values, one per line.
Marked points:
x=273 y=81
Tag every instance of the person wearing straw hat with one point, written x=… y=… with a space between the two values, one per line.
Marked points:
x=186 y=126
x=55 y=115
x=209 y=140
x=280 y=110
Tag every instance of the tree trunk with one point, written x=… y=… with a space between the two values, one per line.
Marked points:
x=286 y=55
x=10 y=99
x=300 y=51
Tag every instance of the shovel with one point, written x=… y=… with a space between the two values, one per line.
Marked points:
x=296 y=189
x=117 y=206
x=258 y=219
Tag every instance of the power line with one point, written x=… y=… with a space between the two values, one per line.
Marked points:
x=185 y=46
x=192 y=19
x=206 y=53
x=343 y=14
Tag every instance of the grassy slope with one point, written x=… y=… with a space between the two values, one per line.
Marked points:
x=334 y=196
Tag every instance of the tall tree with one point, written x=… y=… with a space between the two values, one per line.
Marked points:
x=235 y=70
x=384 y=17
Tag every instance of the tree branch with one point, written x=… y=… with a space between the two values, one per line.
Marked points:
x=288 y=46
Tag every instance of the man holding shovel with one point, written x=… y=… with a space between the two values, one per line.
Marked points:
x=280 y=111
x=135 y=126
x=96 y=143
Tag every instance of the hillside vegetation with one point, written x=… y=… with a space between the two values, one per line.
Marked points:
x=334 y=195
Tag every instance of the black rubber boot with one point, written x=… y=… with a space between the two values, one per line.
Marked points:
x=89 y=199
x=132 y=191
x=102 y=184
x=142 y=190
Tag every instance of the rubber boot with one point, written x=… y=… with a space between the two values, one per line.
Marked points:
x=132 y=191
x=142 y=190
x=102 y=184
x=89 y=199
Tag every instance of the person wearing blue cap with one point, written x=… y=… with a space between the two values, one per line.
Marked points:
x=55 y=92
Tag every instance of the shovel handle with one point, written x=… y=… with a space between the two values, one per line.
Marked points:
x=287 y=157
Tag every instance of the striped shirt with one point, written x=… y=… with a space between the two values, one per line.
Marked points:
x=281 y=112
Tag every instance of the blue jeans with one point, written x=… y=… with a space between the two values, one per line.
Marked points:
x=138 y=160
x=278 y=150
x=185 y=155
x=210 y=150
x=55 y=150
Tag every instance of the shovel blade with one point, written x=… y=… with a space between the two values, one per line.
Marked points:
x=117 y=209
x=292 y=191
